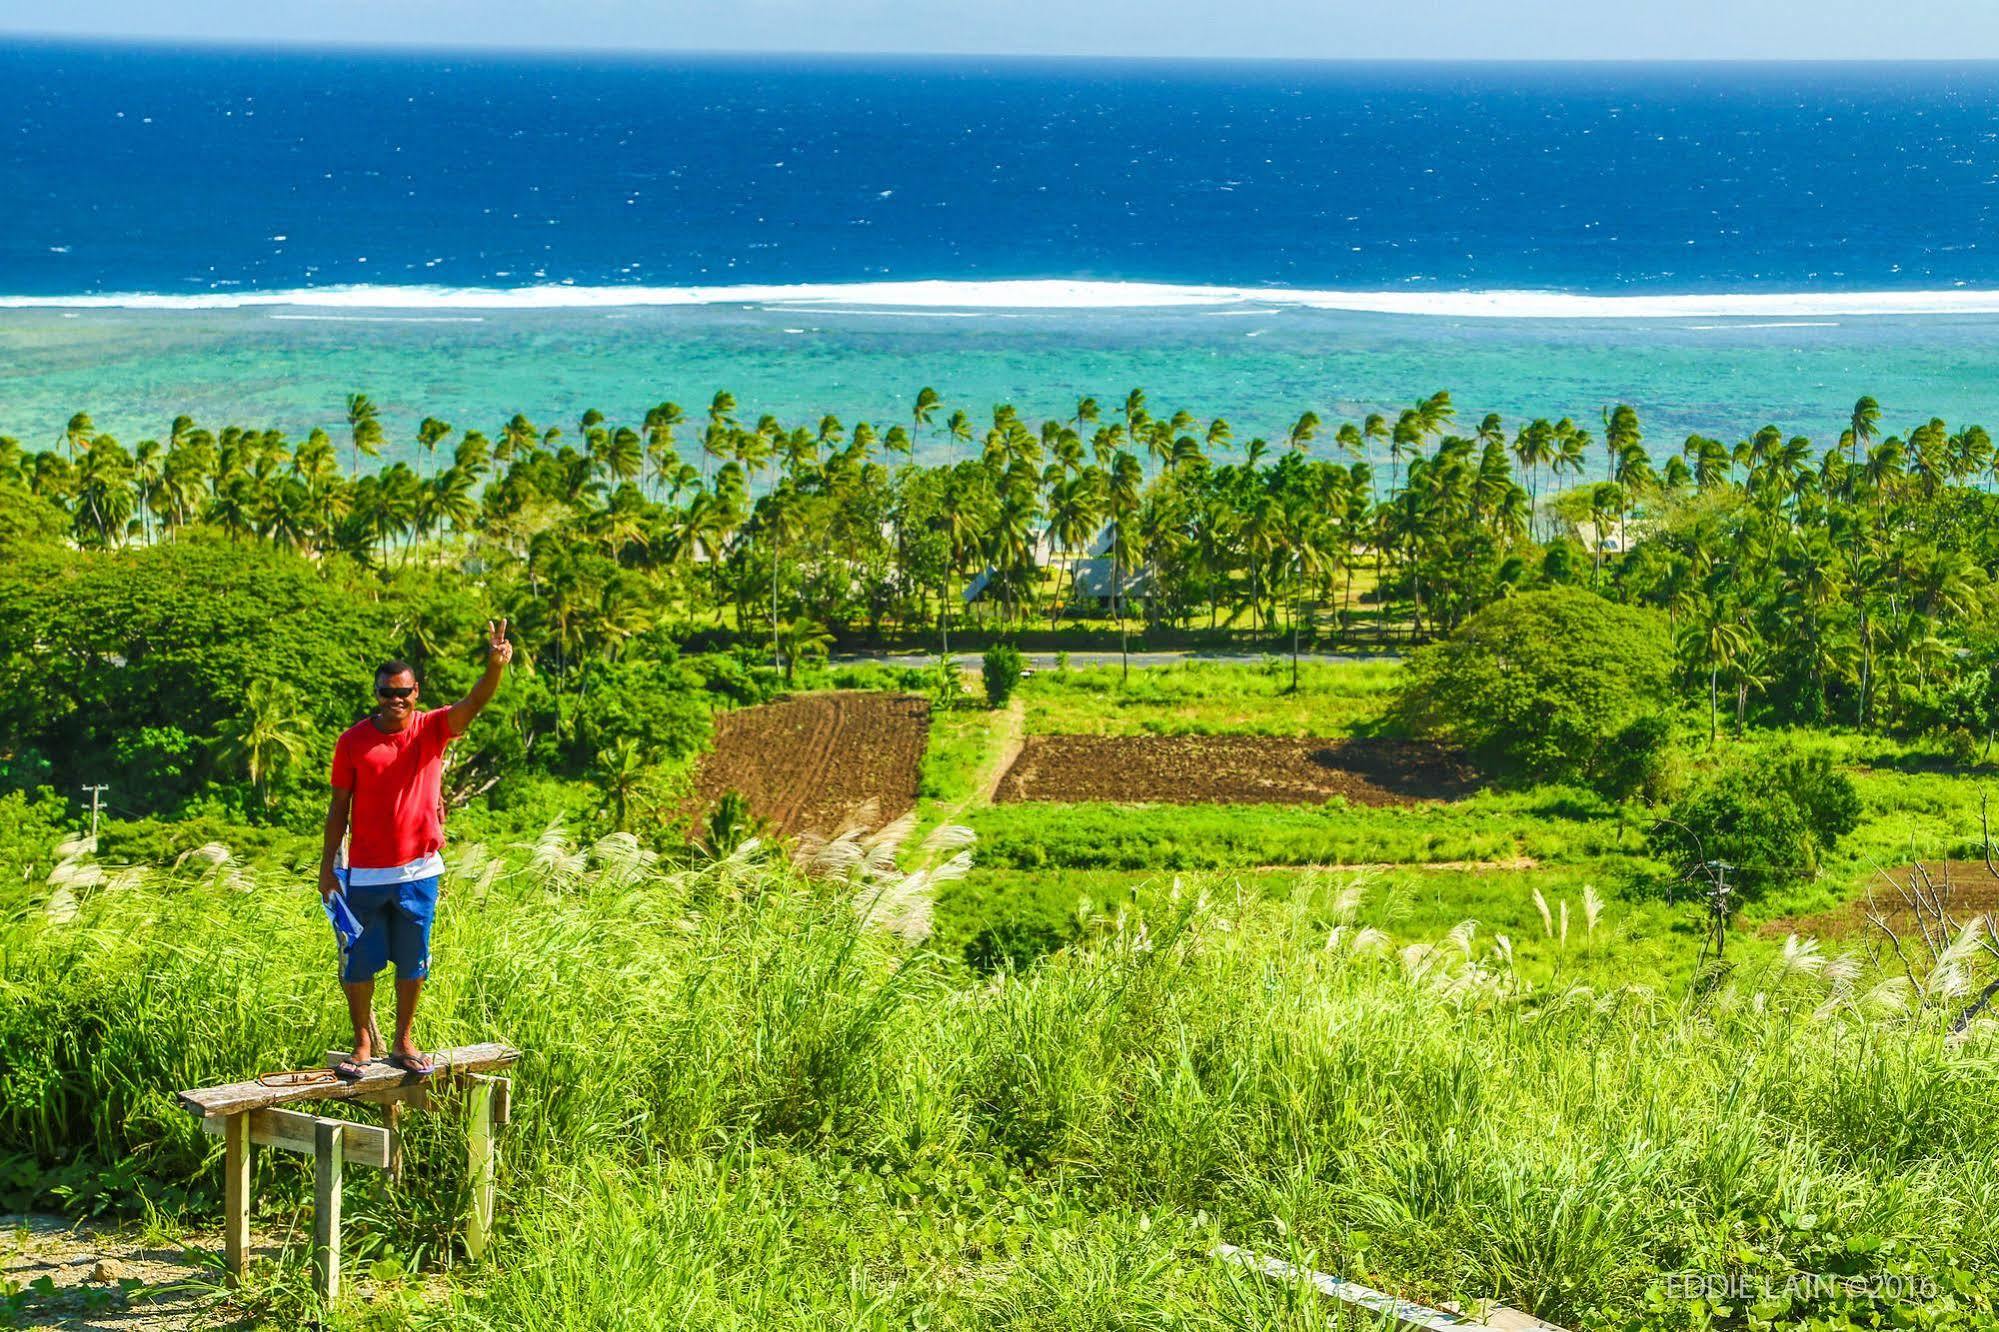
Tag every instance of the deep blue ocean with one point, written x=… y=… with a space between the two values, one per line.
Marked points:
x=251 y=235
x=150 y=168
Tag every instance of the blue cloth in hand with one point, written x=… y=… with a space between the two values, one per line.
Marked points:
x=342 y=918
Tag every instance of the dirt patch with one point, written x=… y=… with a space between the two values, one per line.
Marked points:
x=816 y=762
x=88 y=1277
x=1964 y=889
x=1232 y=769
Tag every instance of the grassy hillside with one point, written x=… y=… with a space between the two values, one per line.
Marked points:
x=739 y=1107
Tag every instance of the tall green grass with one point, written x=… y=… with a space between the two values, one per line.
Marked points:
x=1631 y=939
x=739 y=1107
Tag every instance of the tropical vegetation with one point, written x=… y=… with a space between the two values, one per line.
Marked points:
x=1838 y=580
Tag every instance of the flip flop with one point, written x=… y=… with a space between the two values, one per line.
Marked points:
x=350 y=1070
x=420 y=1064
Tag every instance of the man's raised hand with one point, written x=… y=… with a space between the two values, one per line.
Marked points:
x=499 y=650
x=498 y=653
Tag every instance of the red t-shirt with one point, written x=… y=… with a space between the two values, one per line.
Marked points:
x=396 y=778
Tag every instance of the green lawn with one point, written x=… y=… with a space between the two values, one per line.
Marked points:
x=1546 y=824
x=1211 y=698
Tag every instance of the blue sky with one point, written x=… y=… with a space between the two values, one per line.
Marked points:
x=1443 y=29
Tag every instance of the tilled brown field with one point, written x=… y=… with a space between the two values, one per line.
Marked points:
x=1964 y=888
x=1232 y=769
x=816 y=762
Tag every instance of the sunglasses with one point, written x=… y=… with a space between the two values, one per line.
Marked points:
x=387 y=691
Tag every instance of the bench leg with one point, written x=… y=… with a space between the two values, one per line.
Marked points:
x=479 y=1167
x=327 y=1157
x=236 y=1194
x=392 y=1113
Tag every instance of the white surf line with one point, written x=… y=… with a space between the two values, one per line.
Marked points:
x=1394 y=1312
x=963 y=299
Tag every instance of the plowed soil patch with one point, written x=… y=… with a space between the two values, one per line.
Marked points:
x=817 y=762
x=1964 y=888
x=1232 y=769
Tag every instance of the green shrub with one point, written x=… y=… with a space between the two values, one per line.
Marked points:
x=654 y=703
x=1551 y=686
x=1769 y=821
x=1001 y=668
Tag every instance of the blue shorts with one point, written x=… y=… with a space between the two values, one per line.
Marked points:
x=395 y=927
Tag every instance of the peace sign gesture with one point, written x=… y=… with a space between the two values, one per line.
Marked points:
x=498 y=650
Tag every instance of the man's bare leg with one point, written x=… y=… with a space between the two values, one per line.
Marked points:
x=406 y=996
x=361 y=1011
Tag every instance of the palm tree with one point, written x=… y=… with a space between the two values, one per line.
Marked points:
x=1134 y=412
x=625 y=773
x=364 y=426
x=266 y=737
x=1620 y=433
x=1071 y=519
x=1721 y=641
x=1124 y=481
x=1405 y=438
x=431 y=432
x=518 y=438
x=619 y=454
x=1299 y=437
x=660 y=423
x=103 y=500
x=1533 y=447
x=147 y=462
x=925 y=410
x=782 y=512
x=799 y=639
x=1863 y=425
x=76 y=436
x=1435 y=412
x=721 y=422
x=1087 y=414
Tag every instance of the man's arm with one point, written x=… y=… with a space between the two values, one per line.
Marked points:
x=498 y=653
x=337 y=810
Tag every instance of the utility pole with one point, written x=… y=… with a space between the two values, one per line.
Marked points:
x=1718 y=903
x=96 y=793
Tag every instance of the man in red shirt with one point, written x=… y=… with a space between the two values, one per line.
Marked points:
x=388 y=805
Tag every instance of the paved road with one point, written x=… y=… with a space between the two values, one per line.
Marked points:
x=1045 y=661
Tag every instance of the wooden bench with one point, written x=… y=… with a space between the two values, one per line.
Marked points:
x=243 y=1113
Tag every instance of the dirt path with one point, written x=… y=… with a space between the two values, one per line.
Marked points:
x=1014 y=740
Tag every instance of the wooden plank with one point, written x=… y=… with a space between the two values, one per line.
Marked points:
x=234 y=1097
x=479 y=1167
x=236 y=1190
x=401 y=1098
x=416 y=1097
x=1502 y=1319
x=326 y=1161
x=1391 y=1311
x=293 y=1131
x=503 y=1096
